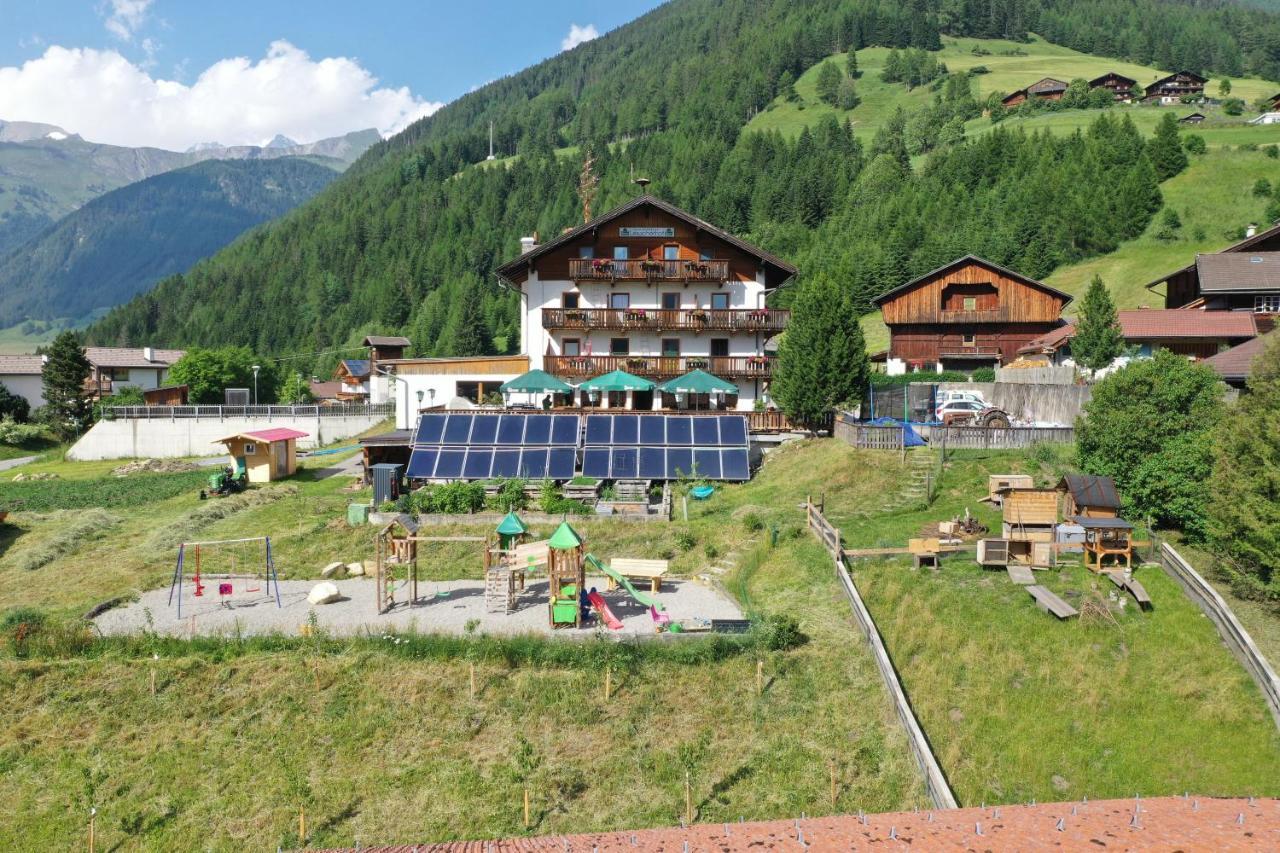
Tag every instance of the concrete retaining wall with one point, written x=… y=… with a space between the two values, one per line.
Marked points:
x=128 y=438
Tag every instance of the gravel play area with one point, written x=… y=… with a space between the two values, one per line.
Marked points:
x=446 y=606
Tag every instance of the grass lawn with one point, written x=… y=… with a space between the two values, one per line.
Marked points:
x=1021 y=706
x=1261 y=619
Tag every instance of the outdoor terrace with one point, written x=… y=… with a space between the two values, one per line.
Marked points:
x=766 y=320
x=646 y=269
x=578 y=367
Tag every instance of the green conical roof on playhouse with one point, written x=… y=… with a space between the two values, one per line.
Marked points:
x=564 y=538
x=511 y=525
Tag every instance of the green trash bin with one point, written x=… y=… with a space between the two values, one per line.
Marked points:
x=358 y=514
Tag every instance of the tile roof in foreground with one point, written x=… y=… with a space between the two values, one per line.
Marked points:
x=1164 y=823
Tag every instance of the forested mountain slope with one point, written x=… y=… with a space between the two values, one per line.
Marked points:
x=408 y=239
x=122 y=243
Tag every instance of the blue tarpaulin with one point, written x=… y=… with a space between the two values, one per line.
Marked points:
x=910 y=438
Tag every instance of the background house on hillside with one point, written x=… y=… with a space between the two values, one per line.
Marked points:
x=1173 y=88
x=1235 y=365
x=969 y=313
x=1046 y=89
x=114 y=368
x=1195 y=334
x=1193 y=118
x=1121 y=86
x=352 y=375
x=23 y=375
x=1242 y=277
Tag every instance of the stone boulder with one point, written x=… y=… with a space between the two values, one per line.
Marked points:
x=323 y=593
x=332 y=570
x=355 y=569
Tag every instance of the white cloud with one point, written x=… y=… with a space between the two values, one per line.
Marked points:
x=577 y=35
x=106 y=98
x=125 y=17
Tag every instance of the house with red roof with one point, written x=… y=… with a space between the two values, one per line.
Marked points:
x=1195 y=334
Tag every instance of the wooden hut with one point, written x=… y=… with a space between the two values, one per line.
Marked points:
x=267 y=454
x=566 y=575
x=1106 y=540
x=1089 y=495
x=1030 y=516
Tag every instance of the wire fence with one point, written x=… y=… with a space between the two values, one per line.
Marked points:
x=342 y=410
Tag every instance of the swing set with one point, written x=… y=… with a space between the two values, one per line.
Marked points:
x=247 y=562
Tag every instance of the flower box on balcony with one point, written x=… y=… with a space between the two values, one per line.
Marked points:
x=634 y=315
x=759 y=314
x=757 y=360
x=637 y=363
x=575 y=316
x=651 y=267
x=697 y=268
x=602 y=266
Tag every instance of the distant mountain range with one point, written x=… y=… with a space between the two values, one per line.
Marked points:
x=121 y=243
x=47 y=172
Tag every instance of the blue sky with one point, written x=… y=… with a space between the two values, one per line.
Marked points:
x=145 y=59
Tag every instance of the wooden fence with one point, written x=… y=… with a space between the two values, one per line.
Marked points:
x=984 y=438
x=869 y=437
x=934 y=779
x=1233 y=633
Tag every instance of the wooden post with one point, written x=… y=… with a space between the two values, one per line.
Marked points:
x=153 y=683
x=759 y=676
x=526 y=807
x=833 y=783
x=93 y=813
x=808 y=511
x=302 y=825
x=688 y=800
x=471 y=667
x=608 y=682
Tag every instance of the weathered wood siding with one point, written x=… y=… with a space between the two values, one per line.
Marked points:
x=1016 y=302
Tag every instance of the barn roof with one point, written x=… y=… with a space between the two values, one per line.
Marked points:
x=1240 y=246
x=782 y=271
x=972 y=259
x=1142 y=324
x=1175 y=75
x=1047 y=85
x=1098 y=81
x=1236 y=364
x=1091 y=490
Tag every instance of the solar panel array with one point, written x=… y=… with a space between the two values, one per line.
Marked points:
x=544 y=446
x=479 y=447
x=666 y=447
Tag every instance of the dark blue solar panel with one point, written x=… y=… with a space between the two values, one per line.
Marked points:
x=706 y=462
x=679 y=462
x=735 y=464
x=706 y=432
x=564 y=430
x=429 y=429
x=457 y=428
x=478 y=464
x=653 y=430
x=733 y=430
x=679 y=430
x=484 y=430
x=625 y=462
x=626 y=429
x=537 y=430
x=653 y=460
x=511 y=430
x=561 y=463
x=599 y=429
x=422 y=464
x=506 y=463
x=595 y=462
x=450 y=465
x=533 y=463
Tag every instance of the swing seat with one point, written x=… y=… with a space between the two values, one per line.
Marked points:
x=224 y=589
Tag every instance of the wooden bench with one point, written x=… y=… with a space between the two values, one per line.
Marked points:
x=651 y=570
x=1051 y=603
x=1131 y=586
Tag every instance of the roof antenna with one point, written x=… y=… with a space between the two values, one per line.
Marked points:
x=642 y=183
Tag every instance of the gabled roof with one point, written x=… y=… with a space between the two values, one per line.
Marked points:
x=21 y=365
x=267 y=436
x=1239 y=272
x=1145 y=323
x=385 y=341
x=972 y=259
x=1098 y=81
x=1047 y=84
x=1236 y=364
x=1175 y=75
x=1239 y=246
x=131 y=356
x=1193 y=117
x=356 y=367
x=1091 y=490
x=782 y=270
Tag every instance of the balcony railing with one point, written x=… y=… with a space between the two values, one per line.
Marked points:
x=990 y=315
x=961 y=351
x=766 y=320
x=661 y=367
x=643 y=269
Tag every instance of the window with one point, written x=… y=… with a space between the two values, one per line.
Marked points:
x=968 y=340
x=586 y=251
x=671 y=253
x=619 y=253
x=571 y=347
x=671 y=347
x=1269 y=304
x=971 y=303
x=670 y=302
x=719 y=301
x=619 y=301
x=704 y=254
x=250 y=448
x=719 y=347
x=619 y=346
x=569 y=300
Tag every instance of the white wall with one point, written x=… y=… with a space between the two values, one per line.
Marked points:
x=445 y=387
x=29 y=386
x=163 y=439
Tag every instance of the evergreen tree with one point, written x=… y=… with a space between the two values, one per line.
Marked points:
x=828 y=86
x=1244 y=509
x=847 y=98
x=822 y=360
x=466 y=333
x=68 y=409
x=1098 y=340
x=1165 y=148
x=851 y=63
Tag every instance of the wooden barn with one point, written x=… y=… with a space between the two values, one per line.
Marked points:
x=1175 y=87
x=1089 y=496
x=969 y=313
x=1119 y=85
x=1046 y=89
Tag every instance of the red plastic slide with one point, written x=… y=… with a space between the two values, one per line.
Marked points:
x=606 y=615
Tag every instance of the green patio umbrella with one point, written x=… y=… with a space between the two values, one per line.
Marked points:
x=618 y=380
x=536 y=382
x=697 y=382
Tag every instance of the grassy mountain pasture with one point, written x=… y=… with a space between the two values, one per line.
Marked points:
x=1007 y=73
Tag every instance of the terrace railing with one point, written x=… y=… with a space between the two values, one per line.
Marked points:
x=644 y=269
x=577 y=367
x=766 y=320
x=346 y=410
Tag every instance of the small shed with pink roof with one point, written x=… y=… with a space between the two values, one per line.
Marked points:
x=266 y=454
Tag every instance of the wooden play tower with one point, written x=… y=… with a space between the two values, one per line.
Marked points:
x=566 y=575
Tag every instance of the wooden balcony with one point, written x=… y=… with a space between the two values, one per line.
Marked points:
x=642 y=269
x=764 y=320
x=992 y=315
x=659 y=367
x=962 y=351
